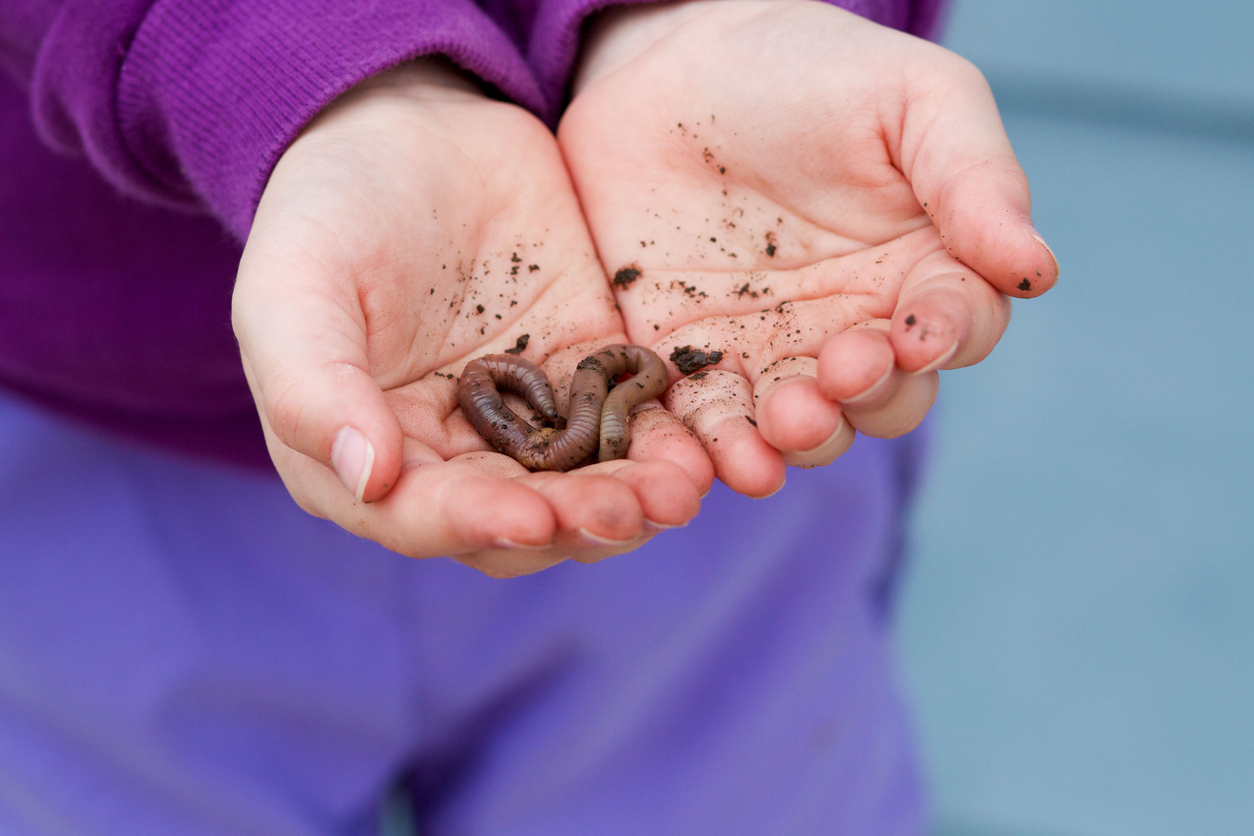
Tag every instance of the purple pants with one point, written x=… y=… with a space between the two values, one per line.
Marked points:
x=183 y=651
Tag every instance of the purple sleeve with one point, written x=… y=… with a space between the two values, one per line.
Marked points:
x=555 y=34
x=189 y=103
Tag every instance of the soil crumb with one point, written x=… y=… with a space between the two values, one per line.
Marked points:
x=519 y=345
x=625 y=276
x=689 y=359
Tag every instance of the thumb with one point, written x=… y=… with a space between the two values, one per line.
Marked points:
x=965 y=175
x=304 y=352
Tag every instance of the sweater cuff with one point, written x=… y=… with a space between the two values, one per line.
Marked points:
x=556 y=35
x=205 y=95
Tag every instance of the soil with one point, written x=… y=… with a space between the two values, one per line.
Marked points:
x=625 y=276
x=519 y=345
x=689 y=359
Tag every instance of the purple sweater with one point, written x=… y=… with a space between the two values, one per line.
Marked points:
x=135 y=139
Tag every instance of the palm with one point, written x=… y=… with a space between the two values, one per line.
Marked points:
x=764 y=203
x=748 y=232
x=457 y=236
x=487 y=251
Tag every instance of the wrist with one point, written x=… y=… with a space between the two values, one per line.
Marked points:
x=429 y=79
x=619 y=34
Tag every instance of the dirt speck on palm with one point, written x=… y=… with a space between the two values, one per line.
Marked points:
x=625 y=276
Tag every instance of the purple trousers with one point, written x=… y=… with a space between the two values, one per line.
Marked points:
x=183 y=651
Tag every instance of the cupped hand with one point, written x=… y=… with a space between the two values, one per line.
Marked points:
x=832 y=205
x=414 y=226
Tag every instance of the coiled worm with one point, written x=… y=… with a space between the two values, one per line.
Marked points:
x=598 y=418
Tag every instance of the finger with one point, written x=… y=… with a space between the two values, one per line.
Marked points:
x=666 y=497
x=946 y=316
x=435 y=508
x=858 y=364
x=305 y=358
x=666 y=493
x=593 y=510
x=657 y=435
x=858 y=368
x=895 y=410
x=964 y=173
x=594 y=516
x=795 y=418
x=717 y=406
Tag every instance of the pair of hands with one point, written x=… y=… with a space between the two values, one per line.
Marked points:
x=832 y=204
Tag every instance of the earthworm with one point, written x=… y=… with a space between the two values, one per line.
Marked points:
x=597 y=421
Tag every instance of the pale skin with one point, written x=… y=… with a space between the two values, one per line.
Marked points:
x=411 y=200
x=748 y=153
x=396 y=241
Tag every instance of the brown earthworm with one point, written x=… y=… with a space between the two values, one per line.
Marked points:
x=597 y=421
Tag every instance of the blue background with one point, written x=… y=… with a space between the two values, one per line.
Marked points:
x=1078 y=623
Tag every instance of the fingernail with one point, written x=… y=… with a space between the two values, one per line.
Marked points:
x=939 y=361
x=598 y=540
x=657 y=526
x=352 y=456
x=874 y=388
x=506 y=543
x=777 y=490
x=1041 y=240
x=825 y=453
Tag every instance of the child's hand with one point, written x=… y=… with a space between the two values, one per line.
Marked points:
x=831 y=203
x=416 y=225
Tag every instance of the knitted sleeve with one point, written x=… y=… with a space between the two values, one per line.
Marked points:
x=189 y=103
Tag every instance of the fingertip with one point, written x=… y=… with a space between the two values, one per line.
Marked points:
x=589 y=502
x=900 y=411
x=1025 y=266
x=439 y=508
x=694 y=463
x=485 y=512
x=794 y=415
x=928 y=328
x=699 y=469
x=986 y=224
x=659 y=436
x=352 y=458
x=1047 y=279
x=744 y=461
x=337 y=415
x=665 y=491
x=356 y=461
x=855 y=365
x=832 y=448
x=718 y=409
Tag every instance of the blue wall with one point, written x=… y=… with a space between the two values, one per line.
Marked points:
x=1078 y=625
